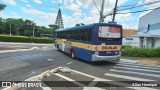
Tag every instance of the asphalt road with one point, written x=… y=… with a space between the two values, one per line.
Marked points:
x=18 y=66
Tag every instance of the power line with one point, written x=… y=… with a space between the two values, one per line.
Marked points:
x=96 y=5
x=138 y=11
x=140 y=5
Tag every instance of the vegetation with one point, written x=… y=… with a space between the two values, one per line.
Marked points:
x=141 y=52
x=6 y=38
x=2 y=6
x=80 y=24
x=22 y=28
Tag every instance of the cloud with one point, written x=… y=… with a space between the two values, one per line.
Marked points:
x=38 y=13
x=48 y=18
x=11 y=2
x=38 y=1
x=28 y=5
x=15 y=15
x=24 y=1
x=56 y=1
x=2 y=14
x=151 y=6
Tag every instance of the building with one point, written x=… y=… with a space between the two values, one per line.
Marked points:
x=129 y=39
x=149 y=29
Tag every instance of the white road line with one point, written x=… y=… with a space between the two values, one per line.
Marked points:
x=100 y=79
x=136 y=66
x=46 y=88
x=69 y=79
x=93 y=88
x=69 y=63
x=127 y=77
x=137 y=69
x=138 y=73
x=128 y=60
x=97 y=78
x=50 y=59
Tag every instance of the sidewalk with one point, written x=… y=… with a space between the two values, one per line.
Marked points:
x=143 y=60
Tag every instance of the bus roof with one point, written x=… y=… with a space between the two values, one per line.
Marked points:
x=86 y=26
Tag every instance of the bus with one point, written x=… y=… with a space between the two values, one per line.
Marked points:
x=93 y=42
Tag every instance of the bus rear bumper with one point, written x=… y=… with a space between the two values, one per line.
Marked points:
x=114 y=59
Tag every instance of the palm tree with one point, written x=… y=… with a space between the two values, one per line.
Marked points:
x=2 y=6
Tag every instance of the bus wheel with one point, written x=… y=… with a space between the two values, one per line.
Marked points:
x=73 y=54
x=58 y=47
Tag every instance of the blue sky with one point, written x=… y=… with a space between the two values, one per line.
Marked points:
x=44 y=12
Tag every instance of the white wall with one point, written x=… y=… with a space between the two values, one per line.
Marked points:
x=157 y=43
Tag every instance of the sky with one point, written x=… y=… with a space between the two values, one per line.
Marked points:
x=44 y=12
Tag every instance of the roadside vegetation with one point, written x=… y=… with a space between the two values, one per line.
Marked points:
x=18 y=27
x=25 y=39
x=140 y=52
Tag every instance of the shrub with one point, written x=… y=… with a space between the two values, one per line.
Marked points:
x=126 y=46
x=141 y=52
x=5 y=38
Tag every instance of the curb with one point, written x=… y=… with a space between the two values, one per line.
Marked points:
x=23 y=43
x=8 y=51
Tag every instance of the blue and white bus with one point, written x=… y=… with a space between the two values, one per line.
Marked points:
x=94 y=42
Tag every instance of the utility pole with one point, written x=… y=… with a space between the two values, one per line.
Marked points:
x=33 y=28
x=10 y=25
x=114 y=12
x=101 y=12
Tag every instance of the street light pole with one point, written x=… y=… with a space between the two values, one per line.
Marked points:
x=29 y=23
x=33 y=28
x=10 y=25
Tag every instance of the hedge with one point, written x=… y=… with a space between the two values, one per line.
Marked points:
x=6 y=38
x=141 y=52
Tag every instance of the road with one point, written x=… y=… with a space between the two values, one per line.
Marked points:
x=18 y=66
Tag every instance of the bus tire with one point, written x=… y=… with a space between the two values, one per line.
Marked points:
x=58 y=47
x=73 y=54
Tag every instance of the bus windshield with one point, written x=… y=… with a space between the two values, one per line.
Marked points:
x=109 y=32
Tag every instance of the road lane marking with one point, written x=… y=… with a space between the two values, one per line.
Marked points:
x=136 y=66
x=93 y=88
x=69 y=79
x=100 y=79
x=138 y=73
x=128 y=60
x=127 y=77
x=97 y=78
x=136 y=69
x=50 y=59
x=69 y=63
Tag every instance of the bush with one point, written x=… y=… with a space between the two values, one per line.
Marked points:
x=126 y=46
x=5 y=38
x=141 y=52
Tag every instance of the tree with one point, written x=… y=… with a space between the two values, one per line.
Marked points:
x=54 y=27
x=2 y=6
x=80 y=24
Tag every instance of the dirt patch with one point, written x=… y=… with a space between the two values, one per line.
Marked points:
x=152 y=61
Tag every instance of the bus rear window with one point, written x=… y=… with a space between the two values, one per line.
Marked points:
x=109 y=32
